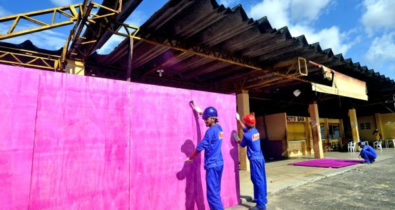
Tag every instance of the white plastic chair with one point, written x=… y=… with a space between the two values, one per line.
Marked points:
x=387 y=142
x=351 y=146
x=377 y=145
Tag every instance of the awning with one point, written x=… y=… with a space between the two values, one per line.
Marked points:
x=342 y=85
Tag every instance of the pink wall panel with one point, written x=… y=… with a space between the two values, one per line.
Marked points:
x=226 y=106
x=168 y=132
x=81 y=158
x=104 y=144
x=18 y=100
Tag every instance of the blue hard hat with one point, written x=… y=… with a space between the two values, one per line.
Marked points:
x=361 y=143
x=209 y=112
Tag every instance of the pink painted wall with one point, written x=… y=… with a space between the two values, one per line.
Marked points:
x=73 y=142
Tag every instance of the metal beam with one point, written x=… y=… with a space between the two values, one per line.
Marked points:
x=179 y=45
x=130 y=59
x=67 y=11
x=31 y=60
x=80 y=46
x=216 y=56
x=76 y=13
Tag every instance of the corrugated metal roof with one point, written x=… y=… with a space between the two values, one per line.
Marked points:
x=201 y=25
x=206 y=24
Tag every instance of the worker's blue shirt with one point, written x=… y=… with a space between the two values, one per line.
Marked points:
x=211 y=144
x=252 y=140
x=369 y=151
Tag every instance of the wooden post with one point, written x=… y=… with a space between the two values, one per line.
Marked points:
x=308 y=136
x=316 y=131
x=243 y=108
x=352 y=114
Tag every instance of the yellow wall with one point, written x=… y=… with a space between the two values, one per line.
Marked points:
x=366 y=134
x=296 y=139
x=325 y=123
x=388 y=125
x=296 y=131
x=299 y=136
x=383 y=122
x=296 y=148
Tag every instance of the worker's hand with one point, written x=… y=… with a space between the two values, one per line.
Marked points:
x=236 y=137
x=188 y=159
x=237 y=116
x=196 y=108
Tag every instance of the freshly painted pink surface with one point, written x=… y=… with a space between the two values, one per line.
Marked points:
x=73 y=142
x=164 y=134
x=18 y=103
x=81 y=158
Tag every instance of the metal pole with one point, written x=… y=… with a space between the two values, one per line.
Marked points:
x=129 y=69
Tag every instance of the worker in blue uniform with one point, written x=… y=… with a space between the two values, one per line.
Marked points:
x=367 y=153
x=213 y=161
x=251 y=139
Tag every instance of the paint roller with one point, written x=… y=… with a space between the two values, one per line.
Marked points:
x=235 y=135
x=195 y=107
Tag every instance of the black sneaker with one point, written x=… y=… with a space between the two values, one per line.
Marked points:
x=249 y=199
x=256 y=208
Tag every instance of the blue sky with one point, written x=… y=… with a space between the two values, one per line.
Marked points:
x=363 y=30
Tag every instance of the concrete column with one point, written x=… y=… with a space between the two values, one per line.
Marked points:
x=75 y=67
x=243 y=108
x=352 y=114
x=316 y=131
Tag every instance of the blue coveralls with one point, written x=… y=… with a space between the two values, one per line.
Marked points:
x=368 y=154
x=214 y=164
x=251 y=139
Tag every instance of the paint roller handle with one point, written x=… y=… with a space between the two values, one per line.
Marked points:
x=196 y=108
x=237 y=116
x=239 y=121
x=236 y=137
x=190 y=158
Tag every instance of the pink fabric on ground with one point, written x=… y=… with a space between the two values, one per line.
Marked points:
x=328 y=163
x=93 y=143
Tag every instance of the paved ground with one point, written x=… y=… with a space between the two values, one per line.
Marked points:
x=361 y=186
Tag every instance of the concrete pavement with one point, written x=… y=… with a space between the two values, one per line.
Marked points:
x=281 y=176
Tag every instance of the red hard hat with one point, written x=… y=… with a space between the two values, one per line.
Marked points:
x=249 y=120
